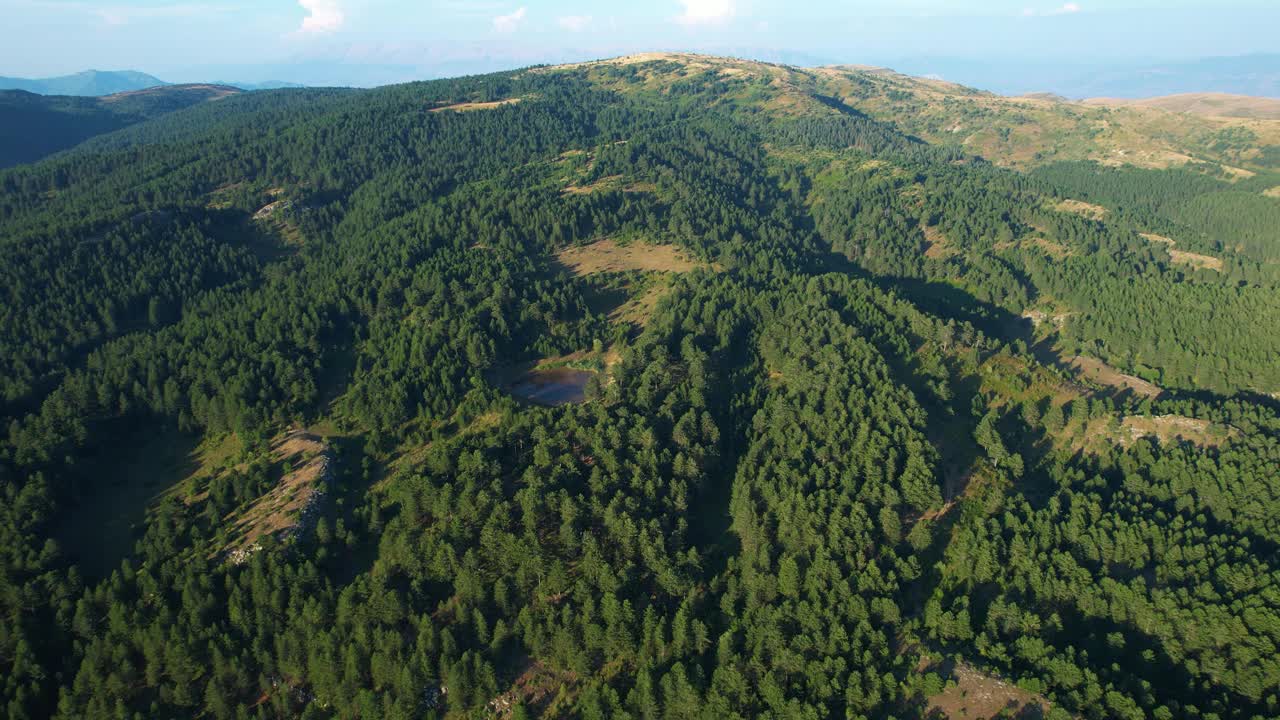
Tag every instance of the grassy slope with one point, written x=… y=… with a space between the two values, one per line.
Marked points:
x=1020 y=132
x=1025 y=132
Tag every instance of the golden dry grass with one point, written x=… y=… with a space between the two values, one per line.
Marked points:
x=1173 y=428
x=610 y=182
x=214 y=455
x=1098 y=434
x=638 y=309
x=1238 y=173
x=411 y=456
x=1018 y=132
x=471 y=106
x=219 y=199
x=1055 y=250
x=539 y=687
x=1196 y=260
x=269 y=209
x=1103 y=374
x=938 y=246
x=279 y=509
x=1040 y=317
x=1182 y=257
x=977 y=695
x=611 y=256
x=1081 y=208
x=213 y=92
x=1273 y=192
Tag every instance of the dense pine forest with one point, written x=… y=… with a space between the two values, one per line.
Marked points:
x=668 y=387
x=33 y=126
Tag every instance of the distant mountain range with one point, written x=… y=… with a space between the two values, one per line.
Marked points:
x=98 y=83
x=1207 y=104
x=87 y=83
x=1257 y=75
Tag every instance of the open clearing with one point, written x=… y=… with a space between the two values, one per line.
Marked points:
x=1040 y=317
x=1101 y=433
x=1273 y=192
x=470 y=106
x=640 y=306
x=1103 y=374
x=270 y=209
x=610 y=256
x=1196 y=260
x=1079 y=207
x=610 y=182
x=285 y=507
x=1055 y=250
x=538 y=688
x=1182 y=257
x=976 y=695
x=938 y=246
x=1173 y=428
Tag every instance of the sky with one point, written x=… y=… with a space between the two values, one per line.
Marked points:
x=370 y=42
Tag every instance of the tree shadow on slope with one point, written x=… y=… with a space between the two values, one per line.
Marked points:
x=119 y=475
x=940 y=299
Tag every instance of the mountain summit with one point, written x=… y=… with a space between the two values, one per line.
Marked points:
x=87 y=83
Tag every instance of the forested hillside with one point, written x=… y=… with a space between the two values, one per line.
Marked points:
x=35 y=126
x=660 y=387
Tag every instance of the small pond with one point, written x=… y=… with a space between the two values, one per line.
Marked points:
x=552 y=386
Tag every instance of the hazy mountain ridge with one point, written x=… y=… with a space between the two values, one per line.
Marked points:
x=1256 y=75
x=1207 y=104
x=87 y=83
x=1253 y=75
x=99 y=83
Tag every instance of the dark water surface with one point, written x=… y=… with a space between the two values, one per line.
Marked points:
x=554 y=386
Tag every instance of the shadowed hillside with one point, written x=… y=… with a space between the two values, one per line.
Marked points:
x=33 y=126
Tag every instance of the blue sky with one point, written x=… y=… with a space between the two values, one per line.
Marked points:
x=374 y=41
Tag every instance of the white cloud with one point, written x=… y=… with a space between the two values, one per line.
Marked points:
x=575 y=23
x=509 y=23
x=705 y=12
x=1067 y=9
x=324 y=16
